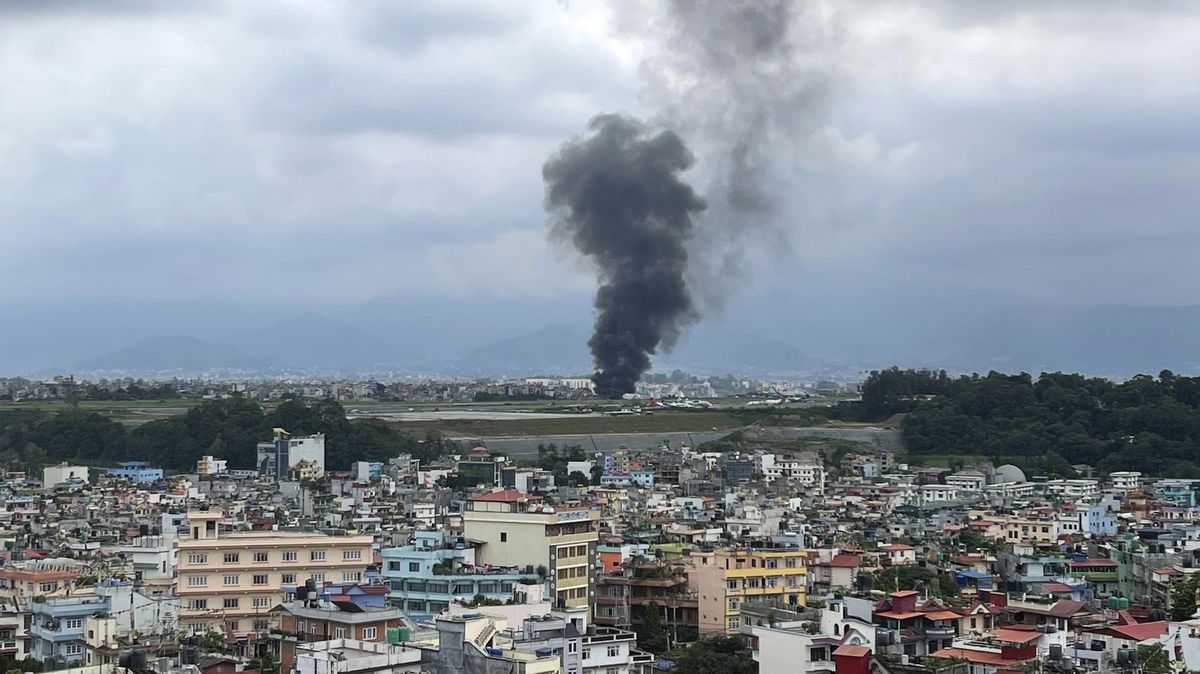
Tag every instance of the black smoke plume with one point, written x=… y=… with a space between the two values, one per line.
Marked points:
x=616 y=195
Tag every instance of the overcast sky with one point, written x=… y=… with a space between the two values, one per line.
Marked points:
x=345 y=151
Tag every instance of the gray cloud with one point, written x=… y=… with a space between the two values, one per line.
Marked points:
x=975 y=154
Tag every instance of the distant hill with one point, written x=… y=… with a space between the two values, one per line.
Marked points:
x=562 y=349
x=174 y=353
x=310 y=340
x=554 y=349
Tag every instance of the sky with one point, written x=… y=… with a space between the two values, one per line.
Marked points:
x=322 y=155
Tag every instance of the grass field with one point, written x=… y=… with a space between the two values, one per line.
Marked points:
x=659 y=422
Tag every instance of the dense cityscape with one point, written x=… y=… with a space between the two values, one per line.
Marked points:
x=599 y=337
x=809 y=538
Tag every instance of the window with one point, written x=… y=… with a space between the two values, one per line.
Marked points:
x=319 y=578
x=368 y=633
x=613 y=670
x=197 y=558
x=234 y=625
x=232 y=580
x=789 y=563
x=414 y=567
x=339 y=633
x=48 y=587
x=73 y=624
x=260 y=579
x=261 y=624
x=198 y=604
x=973 y=622
x=317 y=555
x=587 y=654
x=351 y=577
x=261 y=557
x=731 y=584
x=572 y=646
x=262 y=602
x=289 y=579
x=197 y=581
x=196 y=628
x=231 y=602
x=734 y=623
x=503 y=536
x=351 y=555
x=289 y=555
x=614 y=651
x=232 y=557
x=73 y=649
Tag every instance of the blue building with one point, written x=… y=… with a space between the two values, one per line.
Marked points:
x=136 y=471
x=56 y=629
x=438 y=568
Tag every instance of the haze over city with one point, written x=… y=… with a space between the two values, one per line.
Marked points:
x=988 y=185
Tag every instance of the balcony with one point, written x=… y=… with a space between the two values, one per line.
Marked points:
x=939 y=632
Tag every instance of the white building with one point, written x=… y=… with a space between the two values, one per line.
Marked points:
x=805 y=474
x=208 y=465
x=967 y=480
x=52 y=476
x=937 y=493
x=1073 y=489
x=281 y=456
x=1125 y=480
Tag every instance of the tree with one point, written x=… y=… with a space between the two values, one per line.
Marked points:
x=1183 y=599
x=714 y=655
x=1153 y=659
x=652 y=634
x=577 y=479
x=213 y=641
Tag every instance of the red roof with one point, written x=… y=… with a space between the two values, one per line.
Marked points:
x=1137 y=631
x=845 y=561
x=1012 y=636
x=896 y=547
x=979 y=657
x=852 y=651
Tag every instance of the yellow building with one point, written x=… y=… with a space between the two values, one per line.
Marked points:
x=727 y=578
x=229 y=582
x=516 y=530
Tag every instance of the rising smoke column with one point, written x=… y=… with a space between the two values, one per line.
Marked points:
x=746 y=82
x=616 y=196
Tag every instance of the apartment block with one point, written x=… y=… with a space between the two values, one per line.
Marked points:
x=727 y=578
x=230 y=581
x=515 y=529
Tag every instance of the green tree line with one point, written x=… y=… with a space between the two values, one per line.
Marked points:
x=1047 y=423
x=230 y=428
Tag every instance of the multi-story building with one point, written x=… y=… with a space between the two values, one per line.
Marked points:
x=56 y=629
x=971 y=481
x=63 y=473
x=280 y=457
x=230 y=581
x=307 y=621
x=136 y=471
x=1125 y=480
x=516 y=530
x=624 y=598
x=438 y=568
x=208 y=465
x=727 y=578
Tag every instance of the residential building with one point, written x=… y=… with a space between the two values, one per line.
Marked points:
x=1125 y=480
x=281 y=457
x=354 y=656
x=56 y=629
x=439 y=568
x=307 y=620
x=208 y=465
x=63 y=473
x=514 y=529
x=136 y=471
x=230 y=581
x=729 y=577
